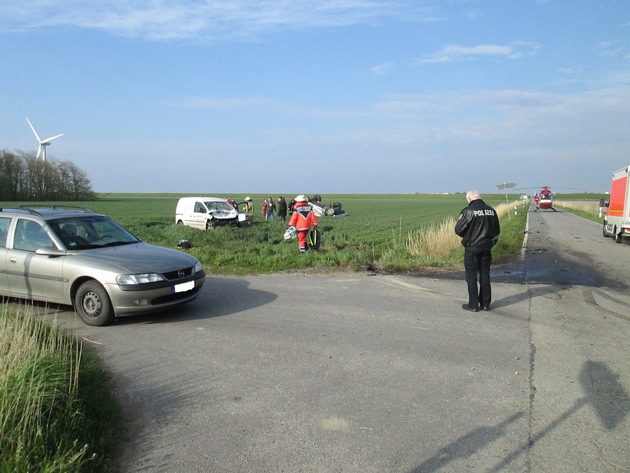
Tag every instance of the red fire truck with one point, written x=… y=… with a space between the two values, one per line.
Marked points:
x=617 y=217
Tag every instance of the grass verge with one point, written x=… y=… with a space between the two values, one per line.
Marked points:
x=589 y=209
x=57 y=413
x=437 y=246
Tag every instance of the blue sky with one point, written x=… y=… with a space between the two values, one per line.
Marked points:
x=322 y=96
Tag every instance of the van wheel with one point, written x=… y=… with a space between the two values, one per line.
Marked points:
x=618 y=238
x=180 y=222
x=209 y=224
x=93 y=305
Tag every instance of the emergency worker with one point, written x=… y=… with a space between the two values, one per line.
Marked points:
x=479 y=228
x=249 y=205
x=249 y=208
x=303 y=218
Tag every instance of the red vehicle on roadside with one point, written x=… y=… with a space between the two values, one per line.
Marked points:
x=617 y=217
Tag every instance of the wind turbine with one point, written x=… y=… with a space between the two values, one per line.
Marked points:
x=42 y=143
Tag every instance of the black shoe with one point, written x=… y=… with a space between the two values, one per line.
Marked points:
x=467 y=307
x=486 y=308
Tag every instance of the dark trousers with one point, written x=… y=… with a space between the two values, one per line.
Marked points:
x=477 y=265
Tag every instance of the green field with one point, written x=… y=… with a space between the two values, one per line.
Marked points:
x=374 y=234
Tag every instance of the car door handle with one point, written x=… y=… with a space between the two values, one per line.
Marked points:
x=12 y=260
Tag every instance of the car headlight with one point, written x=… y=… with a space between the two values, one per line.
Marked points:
x=198 y=267
x=125 y=279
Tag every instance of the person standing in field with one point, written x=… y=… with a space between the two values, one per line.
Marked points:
x=270 y=209
x=303 y=218
x=249 y=208
x=291 y=206
x=479 y=228
x=282 y=209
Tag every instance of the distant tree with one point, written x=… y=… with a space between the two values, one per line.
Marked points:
x=76 y=183
x=11 y=175
x=36 y=178
x=24 y=177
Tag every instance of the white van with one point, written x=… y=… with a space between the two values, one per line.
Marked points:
x=205 y=212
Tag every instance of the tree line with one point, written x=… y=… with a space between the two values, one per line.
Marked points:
x=23 y=177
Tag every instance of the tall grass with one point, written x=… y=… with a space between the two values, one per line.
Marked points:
x=49 y=419
x=587 y=206
x=434 y=241
x=588 y=209
x=438 y=240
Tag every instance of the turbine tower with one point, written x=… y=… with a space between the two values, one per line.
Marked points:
x=42 y=143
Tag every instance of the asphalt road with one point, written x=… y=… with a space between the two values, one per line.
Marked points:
x=370 y=373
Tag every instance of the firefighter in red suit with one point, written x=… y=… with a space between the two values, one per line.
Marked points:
x=302 y=219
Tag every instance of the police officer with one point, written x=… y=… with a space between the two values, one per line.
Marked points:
x=478 y=226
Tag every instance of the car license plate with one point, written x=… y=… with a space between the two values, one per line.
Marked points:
x=183 y=287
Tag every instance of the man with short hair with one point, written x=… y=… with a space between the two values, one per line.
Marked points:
x=478 y=226
x=270 y=209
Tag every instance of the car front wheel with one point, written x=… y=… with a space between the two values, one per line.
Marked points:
x=93 y=305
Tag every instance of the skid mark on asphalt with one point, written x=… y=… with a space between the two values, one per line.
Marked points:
x=607 y=303
x=395 y=282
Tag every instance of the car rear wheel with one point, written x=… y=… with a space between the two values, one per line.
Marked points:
x=93 y=305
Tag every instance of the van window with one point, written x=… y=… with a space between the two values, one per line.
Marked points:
x=199 y=208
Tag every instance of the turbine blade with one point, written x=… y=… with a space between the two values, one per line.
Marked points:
x=39 y=150
x=48 y=140
x=33 y=128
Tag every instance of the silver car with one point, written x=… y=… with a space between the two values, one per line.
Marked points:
x=77 y=257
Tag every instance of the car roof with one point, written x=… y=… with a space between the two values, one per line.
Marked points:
x=212 y=199
x=48 y=212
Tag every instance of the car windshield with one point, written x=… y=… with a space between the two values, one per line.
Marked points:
x=94 y=231
x=218 y=205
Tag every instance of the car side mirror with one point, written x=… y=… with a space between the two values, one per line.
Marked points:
x=50 y=251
